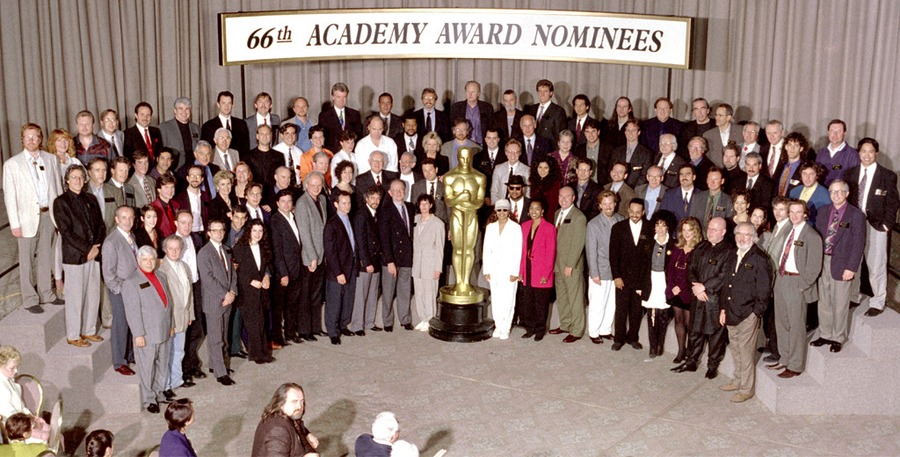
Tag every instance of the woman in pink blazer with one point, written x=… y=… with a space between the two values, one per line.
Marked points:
x=536 y=271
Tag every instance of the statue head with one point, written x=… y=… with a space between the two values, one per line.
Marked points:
x=464 y=156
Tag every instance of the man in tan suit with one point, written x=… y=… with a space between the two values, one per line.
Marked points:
x=571 y=227
x=181 y=295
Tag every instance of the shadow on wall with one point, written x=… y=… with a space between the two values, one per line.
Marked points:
x=226 y=429
x=441 y=439
x=331 y=426
x=81 y=381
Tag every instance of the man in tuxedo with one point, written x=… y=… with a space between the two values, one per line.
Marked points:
x=630 y=242
x=31 y=183
x=180 y=133
x=750 y=143
x=837 y=156
x=392 y=122
x=506 y=119
x=534 y=146
x=652 y=192
x=701 y=122
x=775 y=158
x=699 y=160
x=654 y=128
x=760 y=186
x=286 y=249
x=431 y=185
x=571 y=226
x=504 y=172
x=141 y=136
x=408 y=140
x=311 y=214
x=340 y=279
x=477 y=112
x=680 y=200
x=119 y=262
x=581 y=106
x=224 y=157
x=218 y=292
x=431 y=119
x=396 y=233
x=339 y=117
x=843 y=229
x=240 y=139
x=873 y=187
x=263 y=116
x=586 y=189
x=726 y=132
x=666 y=159
x=795 y=286
x=594 y=149
x=88 y=145
x=376 y=176
x=550 y=118
x=634 y=155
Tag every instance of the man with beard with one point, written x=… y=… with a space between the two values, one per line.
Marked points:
x=281 y=431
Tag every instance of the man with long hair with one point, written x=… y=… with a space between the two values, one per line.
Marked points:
x=281 y=431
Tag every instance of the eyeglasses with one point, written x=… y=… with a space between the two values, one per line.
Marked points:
x=502 y=210
x=515 y=187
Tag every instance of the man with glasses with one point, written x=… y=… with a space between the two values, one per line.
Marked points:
x=725 y=133
x=218 y=292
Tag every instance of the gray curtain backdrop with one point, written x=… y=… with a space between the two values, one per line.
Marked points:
x=803 y=62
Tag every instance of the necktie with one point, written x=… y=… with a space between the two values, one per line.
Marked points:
x=227 y=162
x=428 y=122
x=686 y=201
x=378 y=180
x=559 y=219
x=578 y=131
x=147 y=189
x=787 y=251
x=749 y=183
x=228 y=124
x=782 y=184
x=529 y=150
x=709 y=208
x=431 y=190
x=662 y=162
x=387 y=123
x=222 y=256
x=148 y=143
x=540 y=113
x=405 y=218
x=862 y=189
x=131 y=244
x=341 y=117
x=515 y=210
x=265 y=122
x=411 y=145
x=831 y=233
x=772 y=161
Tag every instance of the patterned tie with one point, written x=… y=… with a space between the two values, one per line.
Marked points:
x=787 y=251
x=515 y=210
x=772 y=161
x=132 y=245
x=431 y=190
x=782 y=184
x=529 y=150
x=862 y=189
x=540 y=113
x=578 y=131
x=290 y=162
x=227 y=162
x=148 y=143
x=341 y=117
x=411 y=145
x=686 y=202
x=831 y=234
x=147 y=189
x=749 y=183
x=222 y=256
x=378 y=180
x=405 y=218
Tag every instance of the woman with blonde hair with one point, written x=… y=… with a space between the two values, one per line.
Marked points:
x=678 y=289
x=11 y=401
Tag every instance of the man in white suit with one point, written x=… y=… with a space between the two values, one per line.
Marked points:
x=30 y=184
x=181 y=300
x=513 y=166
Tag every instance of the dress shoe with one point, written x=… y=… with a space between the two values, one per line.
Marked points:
x=597 y=340
x=557 y=331
x=686 y=366
x=740 y=398
x=321 y=333
x=571 y=339
x=227 y=370
x=225 y=380
x=81 y=343
x=297 y=339
x=153 y=408
x=854 y=304
x=335 y=340
x=712 y=373
x=198 y=373
x=617 y=346
x=124 y=370
x=872 y=312
x=775 y=366
x=240 y=355
x=270 y=359
x=836 y=347
x=95 y=338
x=528 y=335
x=787 y=374
x=408 y=326
x=169 y=394
x=820 y=342
x=309 y=337
x=653 y=353
x=360 y=333
x=259 y=361
x=637 y=345
x=730 y=387
x=275 y=346
x=36 y=309
x=188 y=383
x=58 y=301
x=771 y=358
x=388 y=328
x=607 y=337
x=678 y=358
x=346 y=332
x=376 y=329
x=538 y=336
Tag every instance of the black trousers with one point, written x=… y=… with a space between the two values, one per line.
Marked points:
x=286 y=308
x=535 y=308
x=657 y=324
x=717 y=342
x=769 y=329
x=311 y=296
x=628 y=316
x=254 y=316
x=194 y=337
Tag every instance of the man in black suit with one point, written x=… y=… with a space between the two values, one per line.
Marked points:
x=240 y=135
x=286 y=250
x=873 y=187
x=637 y=156
x=339 y=118
x=202 y=159
x=506 y=119
x=431 y=119
x=735 y=178
x=652 y=129
x=594 y=149
x=630 y=243
x=550 y=117
x=760 y=186
x=409 y=140
x=586 y=189
x=396 y=230
x=340 y=264
x=581 y=105
x=368 y=242
x=667 y=159
x=392 y=122
x=486 y=159
x=194 y=199
x=534 y=146
x=477 y=112
x=376 y=175
x=697 y=148
x=141 y=136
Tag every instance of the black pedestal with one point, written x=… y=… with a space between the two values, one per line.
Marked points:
x=461 y=323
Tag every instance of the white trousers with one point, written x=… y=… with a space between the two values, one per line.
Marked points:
x=601 y=307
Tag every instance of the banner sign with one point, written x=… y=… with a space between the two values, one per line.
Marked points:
x=278 y=36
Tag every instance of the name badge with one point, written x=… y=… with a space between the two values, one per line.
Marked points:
x=748 y=266
x=637 y=168
x=145 y=285
x=642 y=237
x=794 y=182
x=720 y=208
x=566 y=221
x=844 y=225
x=880 y=192
x=713 y=262
x=129 y=195
x=109 y=199
x=836 y=167
x=670 y=172
x=799 y=243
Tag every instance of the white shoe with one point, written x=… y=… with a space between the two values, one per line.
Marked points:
x=504 y=336
x=496 y=333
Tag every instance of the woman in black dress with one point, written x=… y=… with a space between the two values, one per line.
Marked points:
x=253 y=259
x=220 y=207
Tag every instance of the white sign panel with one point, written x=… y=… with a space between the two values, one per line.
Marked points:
x=455 y=34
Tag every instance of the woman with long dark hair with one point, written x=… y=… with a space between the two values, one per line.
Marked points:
x=545 y=182
x=536 y=270
x=653 y=291
x=254 y=261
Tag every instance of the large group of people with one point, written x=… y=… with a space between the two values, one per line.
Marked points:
x=242 y=231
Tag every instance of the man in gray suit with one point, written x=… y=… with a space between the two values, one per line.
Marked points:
x=725 y=132
x=652 y=191
x=224 y=157
x=774 y=247
x=218 y=289
x=119 y=262
x=798 y=270
x=263 y=116
x=431 y=185
x=311 y=213
x=713 y=202
x=503 y=171
x=148 y=309
x=181 y=301
x=144 y=186
x=180 y=134
x=117 y=187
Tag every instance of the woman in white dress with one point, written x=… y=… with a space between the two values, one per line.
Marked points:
x=653 y=292
x=500 y=262
x=428 y=256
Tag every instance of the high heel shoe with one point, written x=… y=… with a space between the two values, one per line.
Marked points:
x=679 y=358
